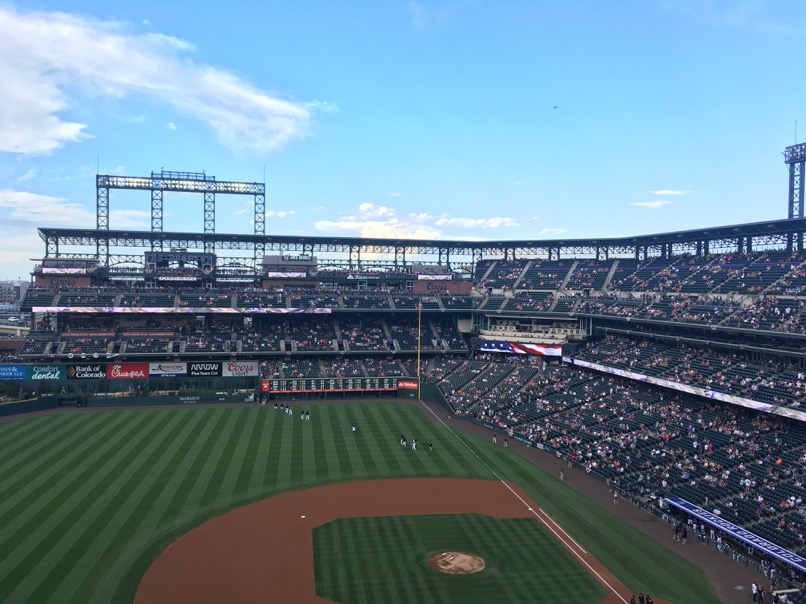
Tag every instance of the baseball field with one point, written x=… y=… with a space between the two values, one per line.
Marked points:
x=91 y=498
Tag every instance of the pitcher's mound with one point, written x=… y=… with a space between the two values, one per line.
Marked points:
x=456 y=563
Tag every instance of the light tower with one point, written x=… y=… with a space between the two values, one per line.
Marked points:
x=795 y=158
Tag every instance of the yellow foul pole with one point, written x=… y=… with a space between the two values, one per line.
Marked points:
x=419 y=337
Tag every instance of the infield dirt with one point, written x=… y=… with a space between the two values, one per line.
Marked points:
x=263 y=552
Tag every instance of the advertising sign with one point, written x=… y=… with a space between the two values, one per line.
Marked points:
x=12 y=372
x=93 y=371
x=407 y=384
x=127 y=371
x=737 y=532
x=204 y=369
x=240 y=369
x=45 y=373
x=167 y=369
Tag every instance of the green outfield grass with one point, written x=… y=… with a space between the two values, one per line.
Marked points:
x=90 y=498
x=369 y=560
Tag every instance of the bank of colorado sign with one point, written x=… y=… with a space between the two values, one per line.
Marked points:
x=127 y=371
x=240 y=369
x=92 y=371
x=204 y=369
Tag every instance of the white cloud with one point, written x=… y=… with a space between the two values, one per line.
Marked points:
x=381 y=221
x=129 y=219
x=323 y=106
x=551 y=231
x=17 y=251
x=394 y=194
x=651 y=204
x=392 y=228
x=283 y=214
x=666 y=192
x=170 y=126
x=28 y=175
x=42 y=210
x=495 y=222
x=368 y=211
x=58 y=56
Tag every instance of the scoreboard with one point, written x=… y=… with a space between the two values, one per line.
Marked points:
x=348 y=384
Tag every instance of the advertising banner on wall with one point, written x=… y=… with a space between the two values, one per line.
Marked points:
x=12 y=372
x=204 y=369
x=407 y=384
x=44 y=373
x=167 y=369
x=89 y=371
x=240 y=369
x=127 y=371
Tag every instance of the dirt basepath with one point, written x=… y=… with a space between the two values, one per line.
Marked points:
x=263 y=552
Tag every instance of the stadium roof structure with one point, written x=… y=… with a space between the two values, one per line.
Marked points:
x=740 y=238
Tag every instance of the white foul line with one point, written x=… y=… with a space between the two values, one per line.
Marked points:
x=529 y=508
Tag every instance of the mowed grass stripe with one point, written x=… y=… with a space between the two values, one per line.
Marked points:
x=337 y=420
x=206 y=472
x=342 y=571
x=243 y=461
x=197 y=455
x=24 y=439
x=356 y=443
x=64 y=511
x=217 y=468
x=377 y=538
x=23 y=505
x=380 y=441
x=309 y=457
x=394 y=550
x=391 y=535
x=124 y=507
x=387 y=432
x=397 y=426
x=296 y=451
x=365 y=540
x=280 y=468
x=454 y=458
x=321 y=448
x=258 y=476
x=323 y=551
x=57 y=452
x=272 y=459
x=155 y=491
x=109 y=501
x=414 y=546
x=372 y=453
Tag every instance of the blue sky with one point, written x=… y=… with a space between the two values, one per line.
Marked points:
x=426 y=118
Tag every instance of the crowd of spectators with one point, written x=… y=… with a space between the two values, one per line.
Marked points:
x=649 y=442
x=732 y=373
x=363 y=333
